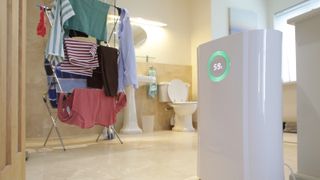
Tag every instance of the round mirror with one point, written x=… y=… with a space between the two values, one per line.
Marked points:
x=139 y=35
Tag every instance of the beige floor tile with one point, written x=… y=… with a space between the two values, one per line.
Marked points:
x=158 y=156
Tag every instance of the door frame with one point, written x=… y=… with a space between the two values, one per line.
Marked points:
x=12 y=89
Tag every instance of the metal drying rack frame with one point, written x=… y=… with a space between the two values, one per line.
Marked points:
x=55 y=81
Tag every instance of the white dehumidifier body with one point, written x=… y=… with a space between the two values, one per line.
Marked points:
x=240 y=107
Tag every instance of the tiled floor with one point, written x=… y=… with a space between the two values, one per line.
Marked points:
x=161 y=155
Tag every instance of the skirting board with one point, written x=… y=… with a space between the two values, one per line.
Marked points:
x=303 y=177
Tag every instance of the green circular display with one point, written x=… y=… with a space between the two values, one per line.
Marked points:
x=224 y=70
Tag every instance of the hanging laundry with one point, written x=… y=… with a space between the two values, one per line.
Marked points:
x=80 y=57
x=109 y=66
x=88 y=107
x=74 y=33
x=52 y=91
x=41 y=28
x=70 y=68
x=48 y=68
x=106 y=76
x=60 y=13
x=67 y=81
x=81 y=53
x=90 y=18
x=127 y=74
x=96 y=81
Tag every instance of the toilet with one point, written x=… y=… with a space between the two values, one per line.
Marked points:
x=175 y=93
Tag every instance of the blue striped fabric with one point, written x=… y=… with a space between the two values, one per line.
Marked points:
x=61 y=12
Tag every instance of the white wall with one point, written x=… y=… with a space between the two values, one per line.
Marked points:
x=210 y=21
x=200 y=33
x=274 y=6
x=171 y=44
x=220 y=14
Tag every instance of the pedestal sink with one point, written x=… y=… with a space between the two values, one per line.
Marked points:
x=130 y=122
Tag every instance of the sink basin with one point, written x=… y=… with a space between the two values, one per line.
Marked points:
x=143 y=79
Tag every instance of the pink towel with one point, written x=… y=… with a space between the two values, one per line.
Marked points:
x=88 y=107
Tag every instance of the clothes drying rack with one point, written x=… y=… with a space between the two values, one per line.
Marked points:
x=55 y=81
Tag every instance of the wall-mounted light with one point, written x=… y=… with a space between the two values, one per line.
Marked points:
x=143 y=21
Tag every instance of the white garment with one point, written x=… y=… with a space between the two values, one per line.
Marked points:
x=61 y=12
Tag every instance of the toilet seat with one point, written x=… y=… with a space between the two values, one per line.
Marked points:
x=177 y=91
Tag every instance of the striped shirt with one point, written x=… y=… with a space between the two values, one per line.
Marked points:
x=80 y=57
x=81 y=53
x=67 y=67
x=61 y=12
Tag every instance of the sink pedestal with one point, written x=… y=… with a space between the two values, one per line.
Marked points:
x=130 y=122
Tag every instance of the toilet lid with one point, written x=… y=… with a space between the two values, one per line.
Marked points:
x=177 y=91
